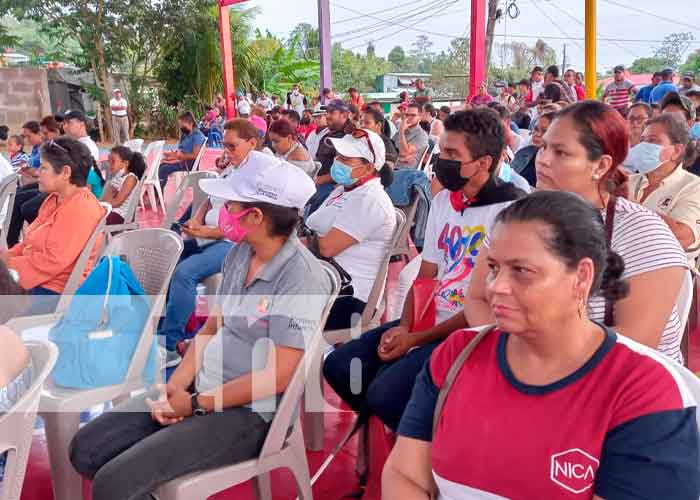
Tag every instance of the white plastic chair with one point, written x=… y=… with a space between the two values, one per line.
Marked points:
x=281 y=448
x=152 y=255
x=179 y=176
x=685 y=299
x=151 y=184
x=130 y=214
x=198 y=196
x=8 y=190
x=136 y=145
x=371 y=317
x=403 y=244
x=17 y=425
x=406 y=278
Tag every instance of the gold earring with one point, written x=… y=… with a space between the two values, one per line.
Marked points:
x=581 y=307
x=596 y=177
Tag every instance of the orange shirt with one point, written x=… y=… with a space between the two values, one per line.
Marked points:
x=54 y=241
x=358 y=101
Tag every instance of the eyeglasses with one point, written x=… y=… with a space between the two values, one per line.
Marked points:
x=231 y=146
x=359 y=133
x=54 y=144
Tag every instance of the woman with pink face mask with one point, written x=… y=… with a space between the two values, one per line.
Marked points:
x=217 y=407
x=205 y=244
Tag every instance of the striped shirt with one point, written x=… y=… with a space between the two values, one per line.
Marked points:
x=646 y=244
x=618 y=94
x=18 y=160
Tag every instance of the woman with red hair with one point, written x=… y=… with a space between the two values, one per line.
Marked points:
x=582 y=153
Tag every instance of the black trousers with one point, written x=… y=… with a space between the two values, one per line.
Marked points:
x=128 y=455
x=26 y=208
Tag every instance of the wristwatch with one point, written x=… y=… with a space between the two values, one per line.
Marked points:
x=197 y=410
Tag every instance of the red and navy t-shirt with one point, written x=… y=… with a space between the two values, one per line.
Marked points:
x=621 y=427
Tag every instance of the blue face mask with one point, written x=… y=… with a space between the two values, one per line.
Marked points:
x=643 y=158
x=695 y=131
x=506 y=172
x=342 y=174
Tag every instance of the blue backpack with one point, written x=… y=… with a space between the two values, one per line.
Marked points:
x=98 y=335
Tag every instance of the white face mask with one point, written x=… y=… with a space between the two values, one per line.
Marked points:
x=643 y=158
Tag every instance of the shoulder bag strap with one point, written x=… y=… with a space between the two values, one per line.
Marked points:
x=454 y=370
x=609 y=221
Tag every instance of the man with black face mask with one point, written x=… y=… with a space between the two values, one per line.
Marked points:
x=191 y=141
x=460 y=218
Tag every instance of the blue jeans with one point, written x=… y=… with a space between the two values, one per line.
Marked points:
x=385 y=388
x=42 y=301
x=196 y=264
x=166 y=169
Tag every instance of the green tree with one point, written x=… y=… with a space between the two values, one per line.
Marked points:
x=673 y=48
x=647 y=65
x=422 y=52
x=692 y=63
x=397 y=57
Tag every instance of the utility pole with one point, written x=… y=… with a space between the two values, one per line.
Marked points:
x=563 y=63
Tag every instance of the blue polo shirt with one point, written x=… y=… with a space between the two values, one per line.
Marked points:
x=644 y=94
x=661 y=90
x=189 y=142
x=34 y=158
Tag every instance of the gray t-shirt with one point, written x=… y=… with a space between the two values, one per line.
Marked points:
x=417 y=137
x=282 y=306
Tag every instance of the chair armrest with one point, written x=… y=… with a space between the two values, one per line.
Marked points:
x=20 y=324
x=117 y=228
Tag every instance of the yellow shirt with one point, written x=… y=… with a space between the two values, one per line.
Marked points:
x=677 y=197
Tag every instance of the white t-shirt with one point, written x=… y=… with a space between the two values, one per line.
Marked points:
x=116 y=183
x=452 y=241
x=367 y=214
x=94 y=150
x=118 y=102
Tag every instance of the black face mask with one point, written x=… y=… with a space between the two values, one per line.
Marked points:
x=447 y=172
x=185 y=131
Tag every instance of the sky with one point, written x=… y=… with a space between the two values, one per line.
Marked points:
x=638 y=26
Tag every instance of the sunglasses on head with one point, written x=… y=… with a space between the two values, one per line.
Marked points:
x=54 y=144
x=359 y=133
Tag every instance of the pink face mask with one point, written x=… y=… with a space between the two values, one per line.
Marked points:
x=230 y=224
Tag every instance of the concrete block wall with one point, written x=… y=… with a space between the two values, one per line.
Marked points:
x=24 y=96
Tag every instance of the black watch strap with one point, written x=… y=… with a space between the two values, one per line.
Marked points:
x=197 y=410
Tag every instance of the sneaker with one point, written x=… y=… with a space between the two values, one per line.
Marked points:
x=172 y=359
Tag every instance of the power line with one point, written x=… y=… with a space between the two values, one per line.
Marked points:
x=386 y=22
x=578 y=21
x=437 y=7
x=435 y=33
x=420 y=20
x=538 y=7
x=363 y=15
x=393 y=21
x=642 y=11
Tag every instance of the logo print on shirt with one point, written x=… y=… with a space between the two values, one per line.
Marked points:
x=460 y=247
x=574 y=470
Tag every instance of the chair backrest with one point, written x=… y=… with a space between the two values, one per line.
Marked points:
x=134 y=198
x=427 y=155
x=153 y=156
x=76 y=276
x=195 y=165
x=317 y=167
x=152 y=255
x=198 y=196
x=17 y=425
x=409 y=213
x=375 y=307
x=685 y=299
x=291 y=400
x=8 y=190
x=136 y=145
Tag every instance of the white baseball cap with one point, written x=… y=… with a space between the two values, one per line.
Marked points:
x=263 y=178
x=116 y=90
x=357 y=145
x=244 y=108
